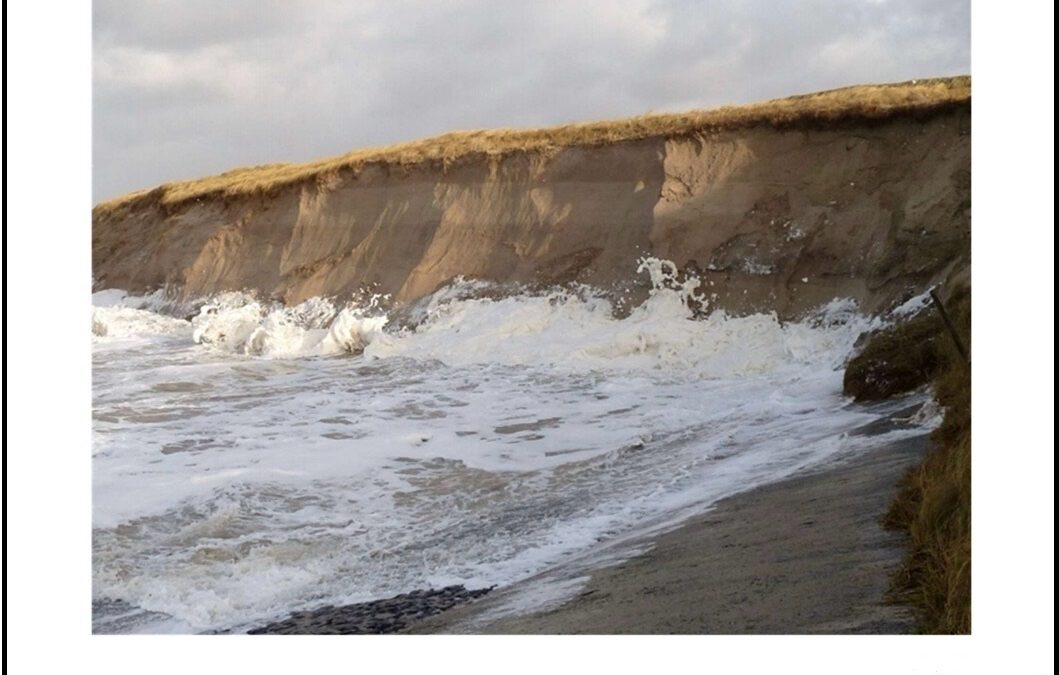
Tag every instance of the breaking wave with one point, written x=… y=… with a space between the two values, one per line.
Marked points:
x=471 y=322
x=475 y=437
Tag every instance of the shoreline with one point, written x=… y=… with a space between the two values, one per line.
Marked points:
x=805 y=555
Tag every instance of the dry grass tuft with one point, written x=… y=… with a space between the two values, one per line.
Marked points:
x=824 y=109
x=933 y=503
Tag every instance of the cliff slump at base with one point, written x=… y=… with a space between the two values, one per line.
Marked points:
x=770 y=218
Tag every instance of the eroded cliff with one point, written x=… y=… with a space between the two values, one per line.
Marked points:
x=771 y=216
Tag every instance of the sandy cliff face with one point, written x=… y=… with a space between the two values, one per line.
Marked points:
x=772 y=219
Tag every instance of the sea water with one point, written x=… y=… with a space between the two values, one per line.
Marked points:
x=250 y=459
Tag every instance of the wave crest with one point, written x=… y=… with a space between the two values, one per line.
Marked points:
x=471 y=321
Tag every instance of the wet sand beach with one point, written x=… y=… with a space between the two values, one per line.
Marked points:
x=804 y=555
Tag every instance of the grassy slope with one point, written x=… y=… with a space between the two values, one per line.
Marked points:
x=866 y=102
x=933 y=502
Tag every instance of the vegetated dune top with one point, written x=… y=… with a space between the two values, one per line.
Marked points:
x=821 y=110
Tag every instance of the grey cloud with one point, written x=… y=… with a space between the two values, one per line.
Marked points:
x=193 y=87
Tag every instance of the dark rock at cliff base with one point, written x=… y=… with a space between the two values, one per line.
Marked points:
x=390 y=615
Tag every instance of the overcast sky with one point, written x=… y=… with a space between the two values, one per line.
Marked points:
x=184 y=88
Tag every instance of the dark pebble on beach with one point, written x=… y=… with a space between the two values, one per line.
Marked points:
x=390 y=615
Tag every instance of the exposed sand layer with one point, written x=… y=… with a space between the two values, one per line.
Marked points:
x=806 y=555
x=770 y=218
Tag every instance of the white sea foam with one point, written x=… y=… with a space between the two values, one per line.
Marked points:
x=234 y=483
x=913 y=305
x=117 y=315
x=578 y=331
x=237 y=323
x=125 y=322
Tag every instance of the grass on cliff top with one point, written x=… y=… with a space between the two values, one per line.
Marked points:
x=933 y=501
x=865 y=102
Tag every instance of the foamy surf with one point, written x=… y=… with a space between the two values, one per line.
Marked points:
x=255 y=459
